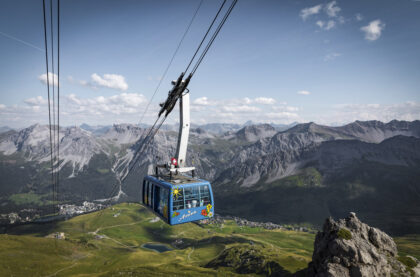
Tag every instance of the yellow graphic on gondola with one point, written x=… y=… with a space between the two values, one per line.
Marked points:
x=176 y=192
x=207 y=212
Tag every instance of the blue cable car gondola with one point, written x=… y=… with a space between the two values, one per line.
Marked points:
x=179 y=199
x=174 y=196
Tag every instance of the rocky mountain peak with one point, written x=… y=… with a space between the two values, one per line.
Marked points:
x=198 y=130
x=123 y=133
x=349 y=247
x=252 y=133
x=376 y=131
x=319 y=130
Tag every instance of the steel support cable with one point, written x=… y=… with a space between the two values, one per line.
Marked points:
x=117 y=186
x=144 y=139
x=208 y=30
x=158 y=86
x=172 y=59
x=203 y=54
x=58 y=99
x=163 y=77
x=120 y=180
x=136 y=156
x=48 y=91
x=142 y=147
x=53 y=102
x=149 y=138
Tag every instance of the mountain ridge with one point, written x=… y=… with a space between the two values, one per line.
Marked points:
x=249 y=160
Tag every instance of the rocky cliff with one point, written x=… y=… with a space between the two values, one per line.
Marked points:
x=350 y=248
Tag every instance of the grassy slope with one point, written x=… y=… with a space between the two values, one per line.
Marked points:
x=383 y=196
x=28 y=252
x=409 y=245
x=25 y=251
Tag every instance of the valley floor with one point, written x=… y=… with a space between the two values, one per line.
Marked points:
x=110 y=243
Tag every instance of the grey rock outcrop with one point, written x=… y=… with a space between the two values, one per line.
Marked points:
x=350 y=248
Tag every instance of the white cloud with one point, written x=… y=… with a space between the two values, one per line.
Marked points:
x=126 y=108
x=292 y=109
x=285 y=108
x=52 y=78
x=110 y=81
x=326 y=25
x=346 y=113
x=234 y=110
x=202 y=101
x=265 y=100
x=151 y=78
x=332 y=9
x=282 y=115
x=36 y=101
x=246 y=100
x=243 y=108
x=306 y=12
x=124 y=103
x=331 y=56
x=330 y=25
x=84 y=83
x=373 y=30
x=320 y=23
x=127 y=99
x=358 y=17
x=303 y=92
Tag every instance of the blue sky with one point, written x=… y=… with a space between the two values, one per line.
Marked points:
x=331 y=62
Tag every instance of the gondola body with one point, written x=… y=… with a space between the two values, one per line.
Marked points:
x=178 y=199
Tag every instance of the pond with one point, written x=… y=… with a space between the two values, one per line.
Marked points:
x=156 y=247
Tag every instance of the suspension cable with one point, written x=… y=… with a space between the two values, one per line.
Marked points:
x=53 y=102
x=214 y=37
x=150 y=135
x=58 y=100
x=140 y=148
x=48 y=91
x=208 y=30
x=120 y=180
x=147 y=139
x=172 y=59
x=54 y=111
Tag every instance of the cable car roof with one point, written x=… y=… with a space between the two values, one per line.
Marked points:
x=176 y=180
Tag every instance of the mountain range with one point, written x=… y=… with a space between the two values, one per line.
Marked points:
x=286 y=174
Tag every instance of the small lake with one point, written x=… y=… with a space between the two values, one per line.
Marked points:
x=156 y=247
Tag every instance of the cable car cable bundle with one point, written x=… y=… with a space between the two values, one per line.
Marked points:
x=54 y=128
x=116 y=186
x=176 y=197
x=185 y=198
x=181 y=85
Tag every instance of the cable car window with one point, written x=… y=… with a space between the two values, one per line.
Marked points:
x=144 y=191
x=163 y=202
x=191 y=197
x=204 y=195
x=178 y=199
x=149 y=196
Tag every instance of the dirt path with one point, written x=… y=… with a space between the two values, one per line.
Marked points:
x=119 y=225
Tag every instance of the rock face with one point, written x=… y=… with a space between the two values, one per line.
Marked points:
x=252 y=259
x=350 y=248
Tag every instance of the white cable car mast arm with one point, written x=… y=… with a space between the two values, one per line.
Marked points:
x=184 y=129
